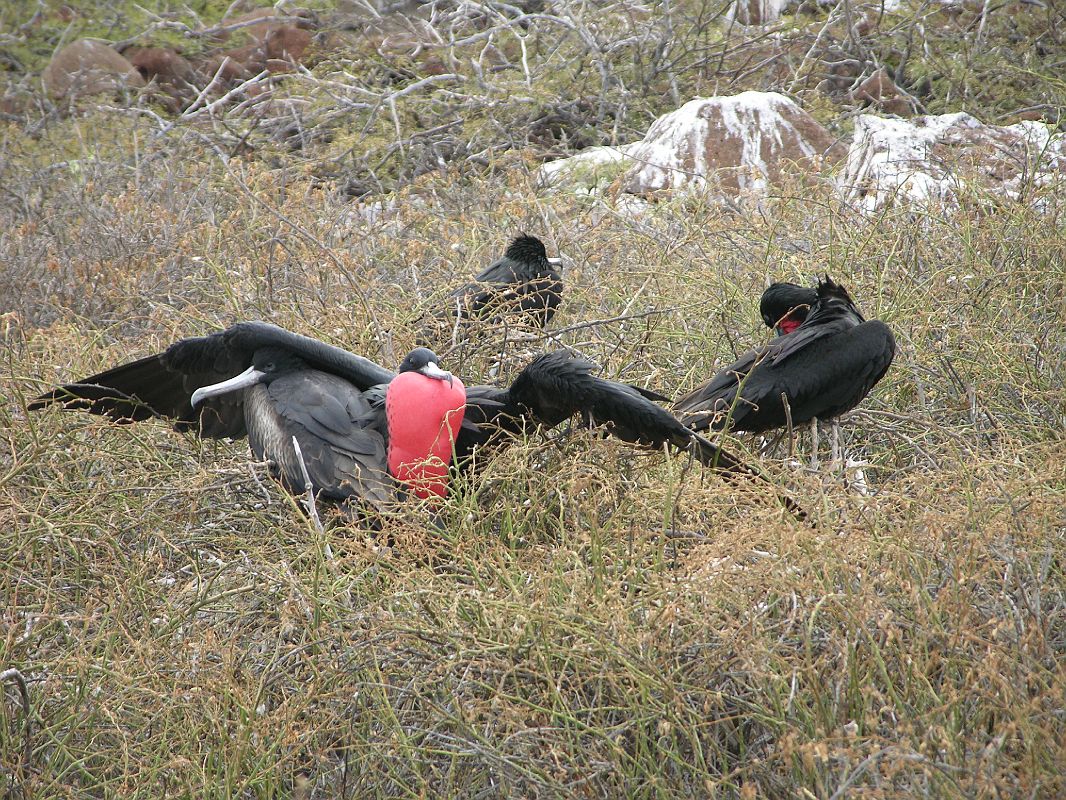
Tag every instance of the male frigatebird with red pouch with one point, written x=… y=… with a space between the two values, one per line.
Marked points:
x=424 y=407
x=823 y=368
x=361 y=428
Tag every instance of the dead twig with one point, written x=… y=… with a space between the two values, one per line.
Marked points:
x=19 y=679
x=309 y=487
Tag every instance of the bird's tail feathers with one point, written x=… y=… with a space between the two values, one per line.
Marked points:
x=711 y=455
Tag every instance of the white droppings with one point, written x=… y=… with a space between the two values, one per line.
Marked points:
x=855 y=476
x=685 y=149
x=893 y=159
x=589 y=157
x=587 y=171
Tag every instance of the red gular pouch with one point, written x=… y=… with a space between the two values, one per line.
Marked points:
x=424 y=416
x=788 y=324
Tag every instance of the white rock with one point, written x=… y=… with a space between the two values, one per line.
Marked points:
x=763 y=12
x=926 y=160
x=757 y=12
x=585 y=169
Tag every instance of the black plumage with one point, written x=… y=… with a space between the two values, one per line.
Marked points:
x=333 y=403
x=556 y=386
x=823 y=368
x=522 y=285
x=784 y=306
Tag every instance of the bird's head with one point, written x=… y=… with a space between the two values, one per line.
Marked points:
x=528 y=249
x=424 y=361
x=268 y=363
x=785 y=306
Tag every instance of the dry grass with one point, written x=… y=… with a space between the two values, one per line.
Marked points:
x=182 y=630
x=590 y=621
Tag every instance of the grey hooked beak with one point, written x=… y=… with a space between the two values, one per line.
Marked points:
x=431 y=370
x=555 y=261
x=250 y=377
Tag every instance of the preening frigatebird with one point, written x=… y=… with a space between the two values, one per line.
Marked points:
x=523 y=284
x=362 y=428
x=825 y=367
x=784 y=306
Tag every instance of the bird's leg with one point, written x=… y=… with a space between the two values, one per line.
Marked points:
x=814 y=443
x=788 y=423
x=458 y=321
x=834 y=439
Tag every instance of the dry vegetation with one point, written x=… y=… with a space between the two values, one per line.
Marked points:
x=591 y=621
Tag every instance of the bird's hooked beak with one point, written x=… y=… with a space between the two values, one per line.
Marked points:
x=555 y=261
x=250 y=377
x=431 y=370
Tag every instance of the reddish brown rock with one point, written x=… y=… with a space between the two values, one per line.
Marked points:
x=268 y=20
x=230 y=67
x=839 y=72
x=285 y=46
x=276 y=41
x=732 y=145
x=11 y=106
x=87 y=67
x=1052 y=115
x=236 y=24
x=160 y=63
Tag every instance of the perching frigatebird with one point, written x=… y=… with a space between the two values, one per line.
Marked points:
x=825 y=367
x=523 y=284
x=784 y=306
x=362 y=428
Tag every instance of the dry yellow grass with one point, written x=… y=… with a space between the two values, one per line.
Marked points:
x=593 y=621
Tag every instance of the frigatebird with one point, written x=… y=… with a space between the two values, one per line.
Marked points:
x=825 y=367
x=523 y=284
x=784 y=306
x=362 y=429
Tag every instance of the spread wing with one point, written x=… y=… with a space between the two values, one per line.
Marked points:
x=162 y=385
x=152 y=387
x=557 y=386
